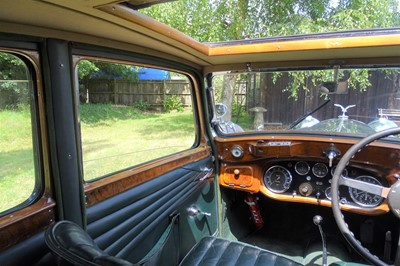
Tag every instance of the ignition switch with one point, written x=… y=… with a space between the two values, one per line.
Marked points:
x=331 y=153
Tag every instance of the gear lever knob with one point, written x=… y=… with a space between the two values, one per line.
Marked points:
x=317 y=219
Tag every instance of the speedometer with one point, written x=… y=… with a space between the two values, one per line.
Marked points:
x=277 y=179
x=363 y=198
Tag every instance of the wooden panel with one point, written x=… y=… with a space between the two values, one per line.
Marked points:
x=381 y=209
x=382 y=158
x=240 y=177
x=26 y=222
x=107 y=187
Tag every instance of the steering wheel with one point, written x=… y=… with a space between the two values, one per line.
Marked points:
x=392 y=194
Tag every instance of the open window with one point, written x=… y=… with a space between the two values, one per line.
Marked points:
x=131 y=114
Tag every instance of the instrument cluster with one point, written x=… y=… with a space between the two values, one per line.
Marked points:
x=313 y=179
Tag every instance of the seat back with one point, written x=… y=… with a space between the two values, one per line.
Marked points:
x=73 y=245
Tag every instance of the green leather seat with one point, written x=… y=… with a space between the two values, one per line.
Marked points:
x=212 y=251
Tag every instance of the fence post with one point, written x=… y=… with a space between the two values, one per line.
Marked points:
x=114 y=89
x=163 y=96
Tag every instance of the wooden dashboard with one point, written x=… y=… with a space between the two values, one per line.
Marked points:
x=297 y=169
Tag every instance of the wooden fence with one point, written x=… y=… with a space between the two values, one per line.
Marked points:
x=126 y=92
x=383 y=93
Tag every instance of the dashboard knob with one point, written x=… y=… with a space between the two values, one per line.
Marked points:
x=305 y=189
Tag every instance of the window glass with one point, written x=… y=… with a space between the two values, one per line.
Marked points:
x=340 y=101
x=130 y=115
x=17 y=173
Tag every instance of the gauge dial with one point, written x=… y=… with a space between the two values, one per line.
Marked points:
x=320 y=170
x=277 y=179
x=302 y=168
x=237 y=151
x=363 y=198
x=328 y=193
x=344 y=173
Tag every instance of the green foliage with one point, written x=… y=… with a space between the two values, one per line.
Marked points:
x=141 y=105
x=12 y=68
x=106 y=70
x=222 y=20
x=172 y=103
x=86 y=68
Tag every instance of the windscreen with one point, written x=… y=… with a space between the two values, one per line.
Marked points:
x=339 y=101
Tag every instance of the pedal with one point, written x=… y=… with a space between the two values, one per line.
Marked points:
x=367 y=232
x=387 y=250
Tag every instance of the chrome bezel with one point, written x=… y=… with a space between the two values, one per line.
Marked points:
x=363 y=204
x=237 y=151
x=300 y=173
x=288 y=179
x=318 y=175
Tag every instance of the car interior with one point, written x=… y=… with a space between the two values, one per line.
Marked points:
x=124 y=141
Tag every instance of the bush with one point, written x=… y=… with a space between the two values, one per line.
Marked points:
x=141 y=105
x=172 y=103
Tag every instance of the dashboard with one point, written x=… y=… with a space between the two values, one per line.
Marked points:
x=298 y=169
x=313 y=179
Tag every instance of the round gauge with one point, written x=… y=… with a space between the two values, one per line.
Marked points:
x=302 y=168
x=320 y=170
x=277 y=179
x=328 y=193
x=237 y=151
x=344 y=173
x=363 y=198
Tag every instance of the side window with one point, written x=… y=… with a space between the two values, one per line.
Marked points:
x=17 y=160
x=130 y=115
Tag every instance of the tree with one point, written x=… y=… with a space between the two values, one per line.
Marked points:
x=221 y=20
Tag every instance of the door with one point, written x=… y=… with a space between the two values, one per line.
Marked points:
x=117 y=145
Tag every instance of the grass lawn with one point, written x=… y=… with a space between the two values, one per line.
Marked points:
x=17 y=177
x=120 y=137
x=113 y=138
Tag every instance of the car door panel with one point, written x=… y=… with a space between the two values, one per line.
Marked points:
x=129 y=224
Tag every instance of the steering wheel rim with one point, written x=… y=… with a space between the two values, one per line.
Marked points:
x=339 y=218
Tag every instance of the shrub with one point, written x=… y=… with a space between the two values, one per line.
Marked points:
x=173 y=102
x=141 y=105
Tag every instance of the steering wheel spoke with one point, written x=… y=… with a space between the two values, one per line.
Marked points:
x=367 y=187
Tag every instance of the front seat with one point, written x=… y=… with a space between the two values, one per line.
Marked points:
x=222 y=252
x=74 y=245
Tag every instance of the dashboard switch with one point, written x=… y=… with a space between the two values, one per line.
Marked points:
x=305 y=189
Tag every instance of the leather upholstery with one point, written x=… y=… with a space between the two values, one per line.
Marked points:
x=73 y=244
x=129 y=224
x=216 y=251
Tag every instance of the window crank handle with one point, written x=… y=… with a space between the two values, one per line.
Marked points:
x=194 y=212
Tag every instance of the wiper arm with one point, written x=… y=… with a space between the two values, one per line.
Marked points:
x=300 y=119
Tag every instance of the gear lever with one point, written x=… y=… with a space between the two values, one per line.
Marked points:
x=317 y=219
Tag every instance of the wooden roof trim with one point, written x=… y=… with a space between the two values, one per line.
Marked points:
x=304 y=45
x=243 y=47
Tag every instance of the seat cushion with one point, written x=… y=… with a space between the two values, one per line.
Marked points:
x=216 y=251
